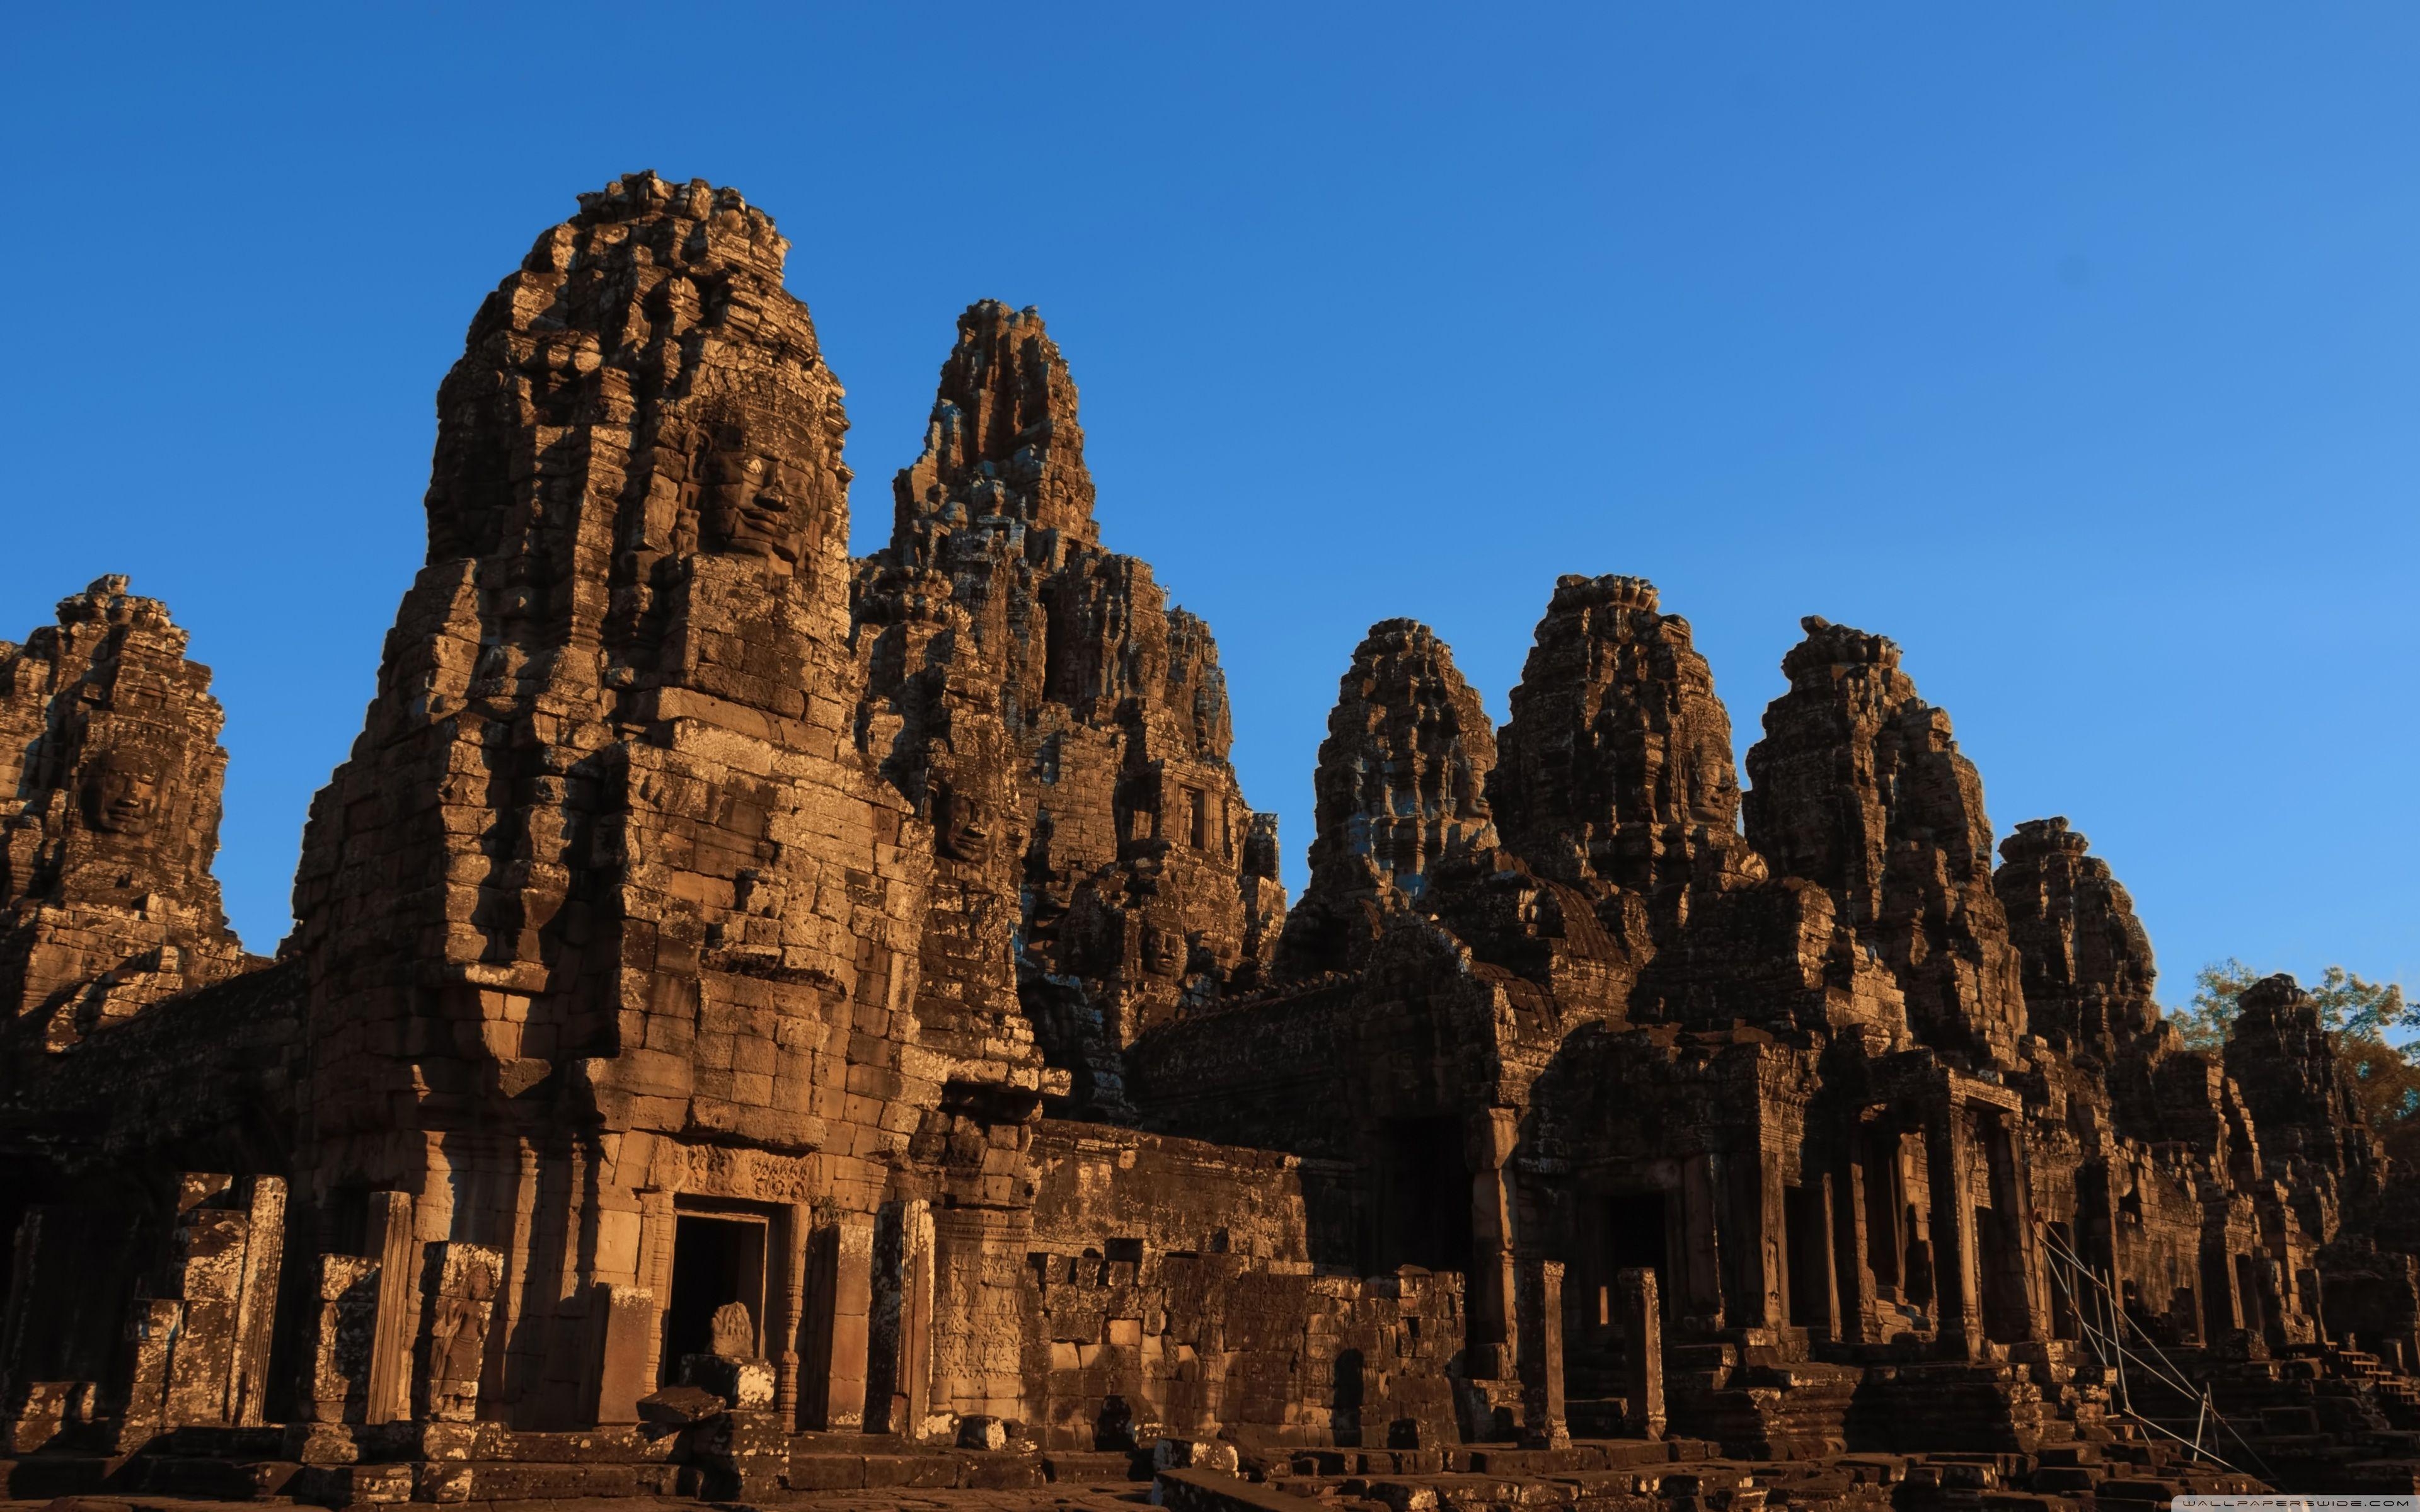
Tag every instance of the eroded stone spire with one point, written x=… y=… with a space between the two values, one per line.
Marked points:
x=2086 y=959
x=1617 y=762
x=1402 y=782
x=1004 y=441
x=1858 y=786
x=1137 y=896
x=110 y=781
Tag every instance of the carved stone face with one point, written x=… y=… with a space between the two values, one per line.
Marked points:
x=1163 y=949
x=961 y=824
x=733 y=1332
x=122 y=794
x=753 y=504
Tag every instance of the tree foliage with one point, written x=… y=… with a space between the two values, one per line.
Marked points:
x=2348 y=1004
x=2360 y=1012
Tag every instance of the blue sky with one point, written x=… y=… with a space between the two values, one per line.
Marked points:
x=2077 y=348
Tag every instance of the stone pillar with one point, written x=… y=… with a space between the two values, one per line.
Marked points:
x=25 y=1256
x=2010 y=1205
x=396 y=1250
x=1640 y=1311
x=1853 y=1301
x=151 y=1339
x=834 y=1368
x=626 y=1341
x=795 y=1224
x=335 y=1387
x=1946 y=1154
x=204 y=1277
x=257 y=1307
x=2309 y=1287
x=199 y=1345
x=454 y=1347
x=1700 y=1271
x=2221 y=1310
x=1825 y=1284
x=900 y=1322
x=1762 y=1244
x=1884 y=1179
x=1545 y=1424
x=1491 y=1348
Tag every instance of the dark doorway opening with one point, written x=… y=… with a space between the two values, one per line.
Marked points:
x=1635 y=1238
x=2064 y=1323
x=1808 y=1254
x=1424 y=1216
x=1885 y=1227
x=718 y=1259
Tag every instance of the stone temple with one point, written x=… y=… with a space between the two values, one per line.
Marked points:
x=764 y=1026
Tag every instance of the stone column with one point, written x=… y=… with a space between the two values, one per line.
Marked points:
x=844 y=1305
x=24 y=1256
x=205 y=1278
x=900 y=1322
x=1640 y=1311
x=626 y=1327
x=1824 y=1283
x=453 y=1350
x=150 y=1335
x=396 y=1249
x=1853 y=1300
x=1762 y=1242
x=1699 y=1267
x=1884 y=1179
x=1946 y=1154
x=257 y=1307
x=1492 y=1134
x=1545 y=1424
x=2011 y=1203
x=795 y=1225
x=335 y=1371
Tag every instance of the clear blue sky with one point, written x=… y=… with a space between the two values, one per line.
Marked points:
x=2077 y=348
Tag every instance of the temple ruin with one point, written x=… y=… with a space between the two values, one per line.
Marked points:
x=760 y=1024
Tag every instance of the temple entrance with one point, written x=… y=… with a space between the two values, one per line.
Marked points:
x=1635 y=1238
x=2064 y=1323
x=1808 y=1255
x=718 y=1259
x=1425 y=1201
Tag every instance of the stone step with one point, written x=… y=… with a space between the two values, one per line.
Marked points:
x=525 y=1481
x=40 y=1477
x=215 y=1479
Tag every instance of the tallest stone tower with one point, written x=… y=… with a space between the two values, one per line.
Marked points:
x=605 y=918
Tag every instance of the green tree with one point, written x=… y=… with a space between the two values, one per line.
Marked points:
x=2348 y=1004
x=2204 y=1022
x=2361 y=1013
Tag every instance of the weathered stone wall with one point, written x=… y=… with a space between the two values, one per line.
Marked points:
x=1172 y=1285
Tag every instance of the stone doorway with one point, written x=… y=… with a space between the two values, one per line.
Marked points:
x=1807 y=1251
x=1635 y=1239
x=718 y=1259
x=1424 y=1215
